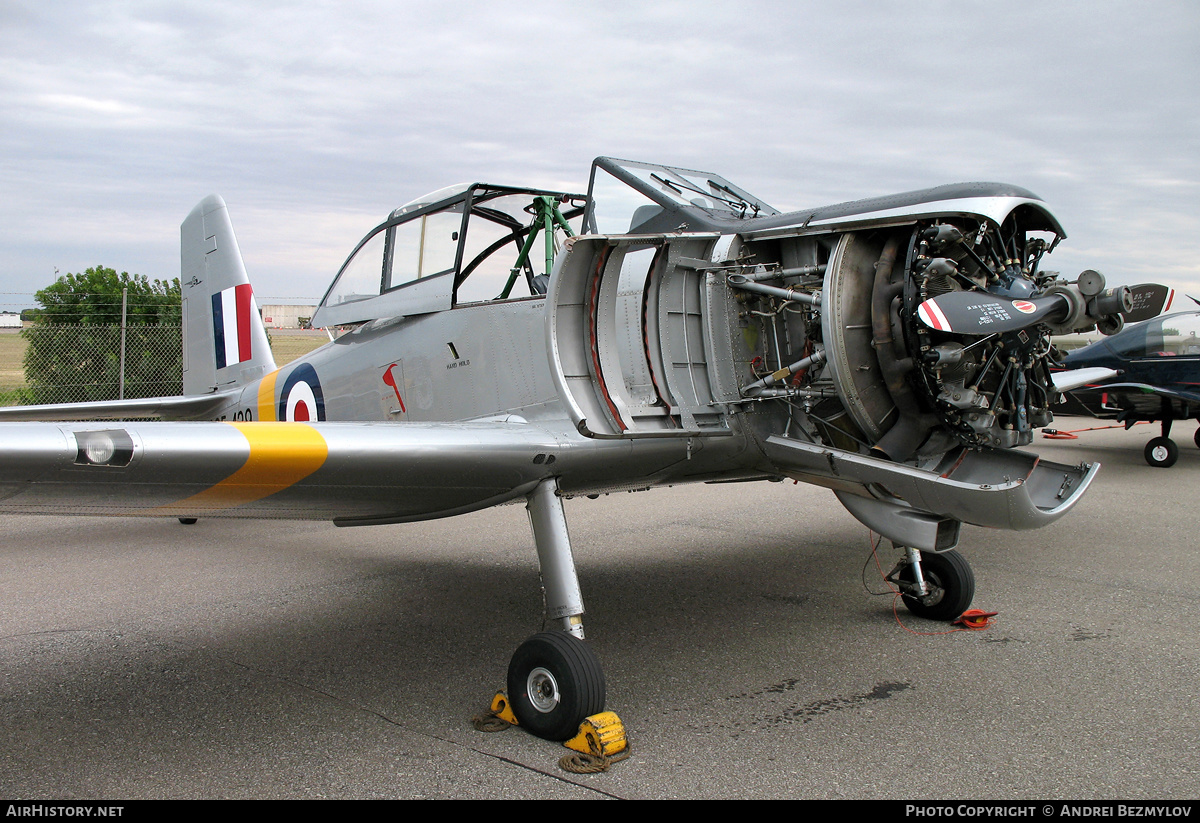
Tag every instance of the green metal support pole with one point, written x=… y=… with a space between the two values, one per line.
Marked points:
x=546 y=216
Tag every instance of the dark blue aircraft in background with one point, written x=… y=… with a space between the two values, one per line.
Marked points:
x=1158 y=361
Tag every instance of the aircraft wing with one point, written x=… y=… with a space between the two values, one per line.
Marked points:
x=1143 y=388
x=1077 y=378
x=351 y=473
x=175 y=408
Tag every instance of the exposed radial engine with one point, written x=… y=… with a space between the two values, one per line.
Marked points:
x=849 y=329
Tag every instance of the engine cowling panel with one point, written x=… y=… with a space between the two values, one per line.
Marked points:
x=811 y=342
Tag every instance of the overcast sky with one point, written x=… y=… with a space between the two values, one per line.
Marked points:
x=315 y=119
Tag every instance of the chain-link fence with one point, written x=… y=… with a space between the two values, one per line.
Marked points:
x=77 y=363
x=67 y=363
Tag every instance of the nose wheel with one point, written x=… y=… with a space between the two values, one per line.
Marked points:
x=949 y=584
x=555 y=681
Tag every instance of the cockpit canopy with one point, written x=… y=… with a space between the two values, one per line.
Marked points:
x=461 y=244
x=1172 y=335
x=472 y=243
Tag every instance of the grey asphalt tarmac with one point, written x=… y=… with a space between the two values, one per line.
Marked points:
x=146 y=659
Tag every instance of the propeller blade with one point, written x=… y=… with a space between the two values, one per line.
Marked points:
x=1149 y=300
x=976 y=312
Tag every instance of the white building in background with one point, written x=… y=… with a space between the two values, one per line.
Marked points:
x=10 y=320
x=287 y=317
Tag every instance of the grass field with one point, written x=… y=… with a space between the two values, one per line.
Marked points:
x=286 y=346
x=12 y=352
x=290 y=344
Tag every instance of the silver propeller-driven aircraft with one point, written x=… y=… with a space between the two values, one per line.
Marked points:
x=512 y=344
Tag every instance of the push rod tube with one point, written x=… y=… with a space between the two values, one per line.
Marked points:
x=783 y=374
x=741 y=281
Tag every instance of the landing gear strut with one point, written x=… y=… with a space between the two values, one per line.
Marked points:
x=935 y=586
x=555 y=680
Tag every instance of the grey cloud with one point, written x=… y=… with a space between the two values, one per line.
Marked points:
x=314 y=119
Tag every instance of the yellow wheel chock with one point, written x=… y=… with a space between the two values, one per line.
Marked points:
x=502 y=709
x=602 y=734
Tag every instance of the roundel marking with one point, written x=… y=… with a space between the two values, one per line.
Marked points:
x=1024 y=306
x=301 y=403
x=301 y=399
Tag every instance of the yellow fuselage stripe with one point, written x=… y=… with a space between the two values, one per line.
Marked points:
x=281 y=455
x=266 y=397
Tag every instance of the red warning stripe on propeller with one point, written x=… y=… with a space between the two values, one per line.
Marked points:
x=931 y=315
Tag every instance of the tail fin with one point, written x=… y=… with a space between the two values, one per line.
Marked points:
x=224 y=342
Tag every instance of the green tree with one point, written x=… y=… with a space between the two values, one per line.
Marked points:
x=75 y=343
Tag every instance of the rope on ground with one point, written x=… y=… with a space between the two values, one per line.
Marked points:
x=489 y=722
x=580 y=763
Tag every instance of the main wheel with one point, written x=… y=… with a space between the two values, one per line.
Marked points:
x=1162 y=452
x=554 y=682
x=951 y=585
x=1196 y=438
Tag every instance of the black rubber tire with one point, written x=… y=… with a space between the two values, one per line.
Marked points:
x=570 y=678
x=1196 y=438
x=951 y=584
x=1161 y=452
x=188 y=521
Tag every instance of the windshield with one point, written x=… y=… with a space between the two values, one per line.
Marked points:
x=649 y=198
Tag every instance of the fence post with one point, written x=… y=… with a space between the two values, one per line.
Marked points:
x=121 y=382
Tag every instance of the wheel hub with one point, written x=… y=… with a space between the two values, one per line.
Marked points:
x=935 y=593
x=542 y=689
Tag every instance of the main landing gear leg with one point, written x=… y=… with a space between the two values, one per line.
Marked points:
x=564 y=601
x=935 y=586
x=554 y=678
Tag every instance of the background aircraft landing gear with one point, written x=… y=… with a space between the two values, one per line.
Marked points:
x=1161 y=452
x=554 y=682
x=949 y=582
